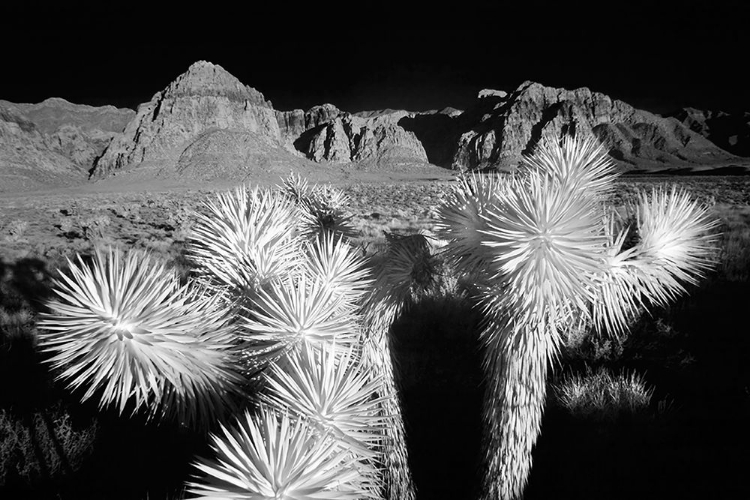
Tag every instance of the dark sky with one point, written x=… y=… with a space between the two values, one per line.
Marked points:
x=370 y=55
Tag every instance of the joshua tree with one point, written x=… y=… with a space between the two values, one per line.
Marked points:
x=301 y=328
x=278 y=300
x=546 y=254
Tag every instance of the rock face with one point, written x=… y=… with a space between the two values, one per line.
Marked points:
x=205 y=97
x=499 y=128
x=730 y=132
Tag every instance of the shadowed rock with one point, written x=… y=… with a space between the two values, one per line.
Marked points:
x=729 y=131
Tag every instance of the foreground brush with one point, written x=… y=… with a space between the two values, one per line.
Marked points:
x=124 y=331
x=547 y=255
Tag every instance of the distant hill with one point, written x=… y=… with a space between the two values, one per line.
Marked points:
x=54 y=142
x=209 y=126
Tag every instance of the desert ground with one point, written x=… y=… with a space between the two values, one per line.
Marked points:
x=691 y=360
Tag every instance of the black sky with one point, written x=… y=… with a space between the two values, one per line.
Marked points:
x=370 y=55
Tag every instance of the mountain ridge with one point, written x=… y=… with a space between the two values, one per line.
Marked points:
x=207 y=125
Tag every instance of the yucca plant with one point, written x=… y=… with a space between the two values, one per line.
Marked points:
x=291 y=312
x=548 y=257
x=124 y=331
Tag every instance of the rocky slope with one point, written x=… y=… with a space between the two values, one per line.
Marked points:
x=729 y=131
x=500 y=127
x=208 y=125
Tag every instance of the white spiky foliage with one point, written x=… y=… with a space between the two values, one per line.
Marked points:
x=331 y=260
x=245 y=239
x=124 y=330
x=552 y=258
x=310 y=300
x=334 y=392
x=271 y=456
x=291 y=311
x=339 y=397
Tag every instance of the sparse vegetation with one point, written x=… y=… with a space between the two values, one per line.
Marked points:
x=601 y=395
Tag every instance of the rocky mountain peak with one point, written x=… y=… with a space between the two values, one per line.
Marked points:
x=206 y=79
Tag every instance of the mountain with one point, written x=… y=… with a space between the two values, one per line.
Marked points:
x=207 y=125
x=500 y=127
x=729 y=131
x=207 y=116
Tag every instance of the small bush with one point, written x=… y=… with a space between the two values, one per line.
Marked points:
x=93 y=227
x=601 y=395
x=43 y=446
x=15 y=230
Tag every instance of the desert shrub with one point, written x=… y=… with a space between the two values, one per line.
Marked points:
x=68 y=226
x=601 y=395
x=15 y=230
x=43 y=446
x=128 y=211
x=94 y=227
x=581 y=343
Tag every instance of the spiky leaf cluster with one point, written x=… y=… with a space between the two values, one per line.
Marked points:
x=245 y=239
x=272 y=456
x=124 y=331
x=334 y=392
